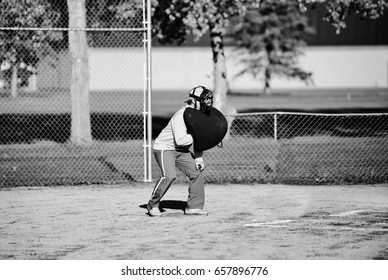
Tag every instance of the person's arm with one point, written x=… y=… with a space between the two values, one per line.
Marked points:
x=181 y=137
x=199 y=163
x=198 y=157
x=194 y=152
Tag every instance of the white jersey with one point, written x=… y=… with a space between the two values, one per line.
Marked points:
x=174 y=136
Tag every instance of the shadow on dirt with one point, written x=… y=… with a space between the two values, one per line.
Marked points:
x=170 y=204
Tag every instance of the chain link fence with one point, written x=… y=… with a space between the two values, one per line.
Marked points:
x=48 y=58
x=302 y=149
x=73 y=91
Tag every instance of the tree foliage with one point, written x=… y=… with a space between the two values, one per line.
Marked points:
x=21 y=48
x=114 y=13
x=338 y=10
x=173 y=20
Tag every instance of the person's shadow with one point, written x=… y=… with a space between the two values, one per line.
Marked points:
x=169 y=204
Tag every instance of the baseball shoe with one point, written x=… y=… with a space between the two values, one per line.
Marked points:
x=154 y=212
x=189 y=211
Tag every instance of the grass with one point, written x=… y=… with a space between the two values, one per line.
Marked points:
x=48 y=163
x=35 y=129
x=165 y=103
x=311 y=160
x=307 y=100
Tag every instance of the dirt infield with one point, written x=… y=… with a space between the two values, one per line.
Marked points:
x=245 y=222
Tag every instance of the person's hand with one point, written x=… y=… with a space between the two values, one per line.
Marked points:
x=199 y=164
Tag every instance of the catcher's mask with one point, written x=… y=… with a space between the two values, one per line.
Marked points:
x=204 y=98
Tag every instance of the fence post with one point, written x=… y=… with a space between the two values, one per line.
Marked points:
x=275 y=120
x=147 y=94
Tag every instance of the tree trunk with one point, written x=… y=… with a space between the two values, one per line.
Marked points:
x=14 y=82
x=79 y=88
x=220 y=79
x=267 y=80
x=32 y=86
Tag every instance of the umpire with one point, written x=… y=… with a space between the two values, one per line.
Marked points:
x=174 y=148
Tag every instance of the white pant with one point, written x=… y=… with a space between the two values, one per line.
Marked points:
x=168 y=160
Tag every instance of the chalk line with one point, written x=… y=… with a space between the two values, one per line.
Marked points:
x=280 y=223
x=270 y=224
x=351 y=228
x=355 y=212
x=337 y=228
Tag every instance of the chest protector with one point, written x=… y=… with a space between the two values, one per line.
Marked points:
x=207 y=129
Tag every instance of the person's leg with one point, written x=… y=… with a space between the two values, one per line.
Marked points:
x=166 y=162
x=196 y=197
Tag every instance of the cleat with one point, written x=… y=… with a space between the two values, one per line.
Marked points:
x=154 y=212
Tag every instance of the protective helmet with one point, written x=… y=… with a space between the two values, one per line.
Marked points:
x=203 y=96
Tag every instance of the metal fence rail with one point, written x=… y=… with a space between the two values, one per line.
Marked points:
x=36 y=100
x=302 y=148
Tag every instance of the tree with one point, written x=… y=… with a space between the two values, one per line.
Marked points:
x=173 y=20
x=83 y=13
x=269 y=40
x=79 y=86
x=19 y=49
